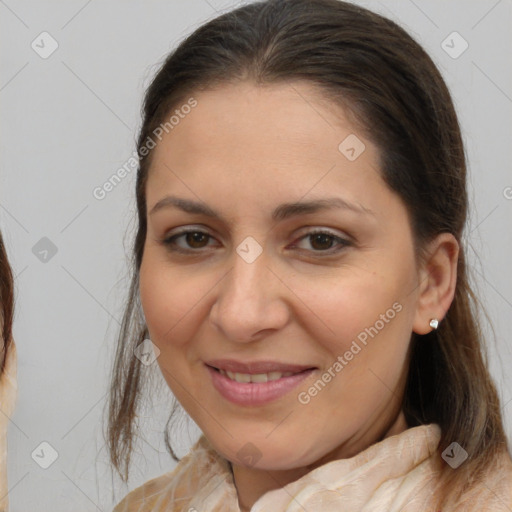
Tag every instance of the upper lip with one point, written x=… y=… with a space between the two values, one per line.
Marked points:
x=256 y=367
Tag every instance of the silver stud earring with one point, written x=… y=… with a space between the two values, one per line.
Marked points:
x=434 y=323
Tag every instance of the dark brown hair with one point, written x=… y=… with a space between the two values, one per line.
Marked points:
x=6 y=302
x=367 y=63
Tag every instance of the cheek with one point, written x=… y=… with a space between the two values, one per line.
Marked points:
x=359 y=306
x=369 y=317
x=168 y=300
x=173 y=298
x=164 y=299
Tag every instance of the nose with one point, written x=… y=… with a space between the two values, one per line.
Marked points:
x=251 y=301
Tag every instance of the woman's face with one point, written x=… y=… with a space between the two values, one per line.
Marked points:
x=325 y=319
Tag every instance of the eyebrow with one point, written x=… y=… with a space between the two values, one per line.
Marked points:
x=280 y=213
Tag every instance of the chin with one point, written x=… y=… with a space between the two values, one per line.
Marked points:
x=277 y=454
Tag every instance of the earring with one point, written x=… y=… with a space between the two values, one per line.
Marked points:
x=434 y=323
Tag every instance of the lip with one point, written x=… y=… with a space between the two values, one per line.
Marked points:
x=252 y=394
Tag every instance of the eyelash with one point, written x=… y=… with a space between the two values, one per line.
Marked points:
x=171 y=245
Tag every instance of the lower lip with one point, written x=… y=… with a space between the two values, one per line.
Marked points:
x=255 y=393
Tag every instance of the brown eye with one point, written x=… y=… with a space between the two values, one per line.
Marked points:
x=194 y=241
x=324 y=241
x=321 y=241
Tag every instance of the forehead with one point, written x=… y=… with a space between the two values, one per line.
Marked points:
x=263 y=141
x=275 y=117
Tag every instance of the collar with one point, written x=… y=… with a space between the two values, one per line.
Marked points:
x=388 y=475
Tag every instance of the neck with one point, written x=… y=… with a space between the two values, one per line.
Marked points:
x=252 y=483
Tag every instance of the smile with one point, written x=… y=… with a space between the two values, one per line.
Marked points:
x=256 y=383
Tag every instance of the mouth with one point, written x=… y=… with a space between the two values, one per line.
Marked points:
x=255 y=383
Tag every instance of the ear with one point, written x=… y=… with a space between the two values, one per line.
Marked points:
x=438 y=277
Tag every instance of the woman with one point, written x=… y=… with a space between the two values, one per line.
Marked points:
x=298 y=261
x=8 y=367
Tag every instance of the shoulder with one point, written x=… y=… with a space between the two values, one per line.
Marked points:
x=177 y=487
x=145 y=497
x=493 y=491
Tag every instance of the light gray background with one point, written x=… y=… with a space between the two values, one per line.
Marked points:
x=69 y=121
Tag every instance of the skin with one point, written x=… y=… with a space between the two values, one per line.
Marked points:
x=244 y=150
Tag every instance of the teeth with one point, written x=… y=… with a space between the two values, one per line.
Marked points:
x=257 y=377
x=242 y=377
x=260 y=377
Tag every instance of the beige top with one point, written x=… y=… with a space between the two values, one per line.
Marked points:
x=8 y=395
x=394 y=475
